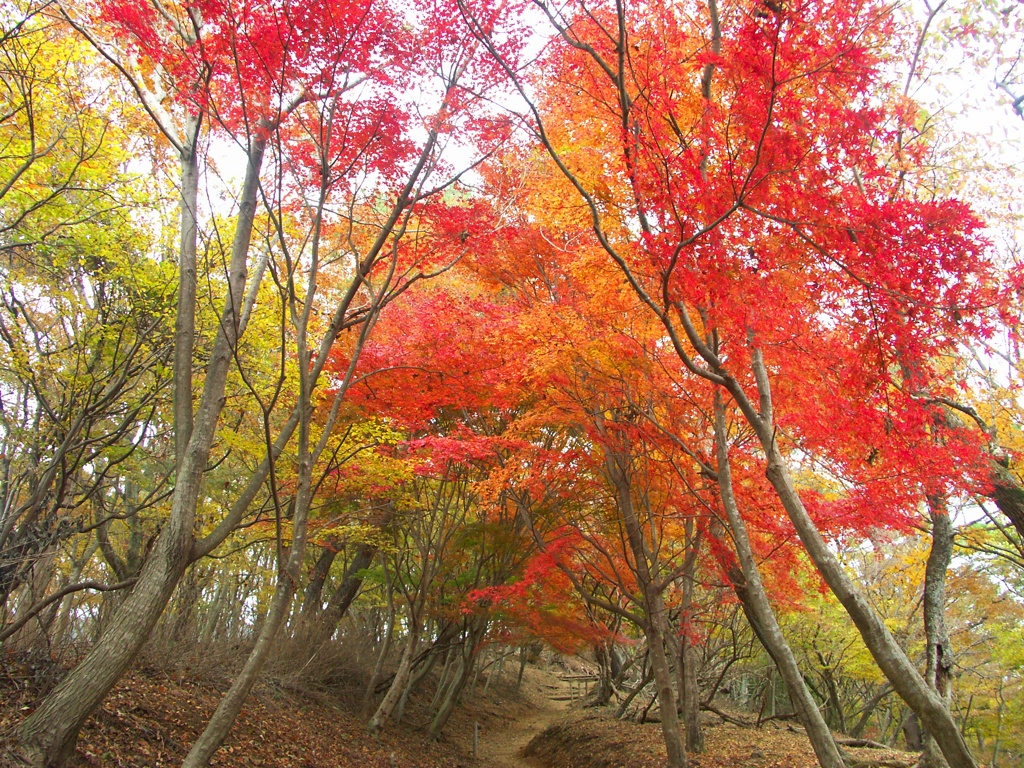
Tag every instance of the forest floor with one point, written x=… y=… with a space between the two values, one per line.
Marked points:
x=153 y=715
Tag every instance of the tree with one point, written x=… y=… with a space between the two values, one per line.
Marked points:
x=349 y=125
x=759 y=196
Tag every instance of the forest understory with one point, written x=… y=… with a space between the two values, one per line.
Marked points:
x=159 y=709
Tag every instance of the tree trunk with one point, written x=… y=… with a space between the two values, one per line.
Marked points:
x=868 y=709
x=312 y=602
x=224 y=716
x=451 y=696
x=287 y=578
x=766 y=626
x=444 y=677
x=422 y=666
x=385 y=649
x=883 y=647
x=689 y=689
x=48 y=736
x=1008 y=495
x=939 y=654
x=185 y=315
x=323 y=626
x=604 y=665
x=879 y=641
x=212 y=618
x=656 y=621
x=522 y=667
x=470 y=648
x=398 y=683
x=670 y=727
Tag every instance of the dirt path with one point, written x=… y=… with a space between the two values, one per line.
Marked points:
x=504 y=748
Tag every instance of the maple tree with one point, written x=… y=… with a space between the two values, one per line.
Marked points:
x=758 y=196
x=602 y=374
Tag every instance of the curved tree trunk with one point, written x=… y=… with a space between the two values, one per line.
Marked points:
x=398 y=683
x=1008 y=495
x=766 y=626
x=48 y=736
x=883 y=647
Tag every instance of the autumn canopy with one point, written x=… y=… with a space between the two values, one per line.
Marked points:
x=440 y=328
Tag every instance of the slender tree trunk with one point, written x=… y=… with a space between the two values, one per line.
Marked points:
x=224 y=716
x=880 y=642
x=48 y=736
x=869 y=709
x=398 y=683
x=656 y=621
x=444 y=677
x=212 y=618
x=312 y=602
x=470 y=650
x=321 y=627
x=939 y=653
x=657 y=631
x=604 y=664
x=385 y=649
x=769 y=631
x=185 y=316
x=689 y=689
x=288 y=576
x=65 y=606
x=522 y=666
x=670 y=727
x=883 y=647
x=179 y=622
x=645 y=678
x=422 y=666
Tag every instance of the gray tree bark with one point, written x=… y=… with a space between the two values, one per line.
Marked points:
x=770 y=633
x=398 y=683
x=938 y=672
x=656 y=617
x=883 y=647
x=689 y=689
x=475 y=632
x=48 y=736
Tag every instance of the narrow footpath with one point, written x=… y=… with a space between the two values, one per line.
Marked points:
x=504 y=748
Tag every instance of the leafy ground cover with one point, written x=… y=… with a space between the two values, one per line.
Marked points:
x=152 y=717
x=592 y=739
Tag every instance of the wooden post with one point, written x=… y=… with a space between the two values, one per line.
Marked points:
x=476 y=738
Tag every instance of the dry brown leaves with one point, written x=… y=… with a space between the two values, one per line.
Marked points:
x=593 y=740
x=150 y=720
